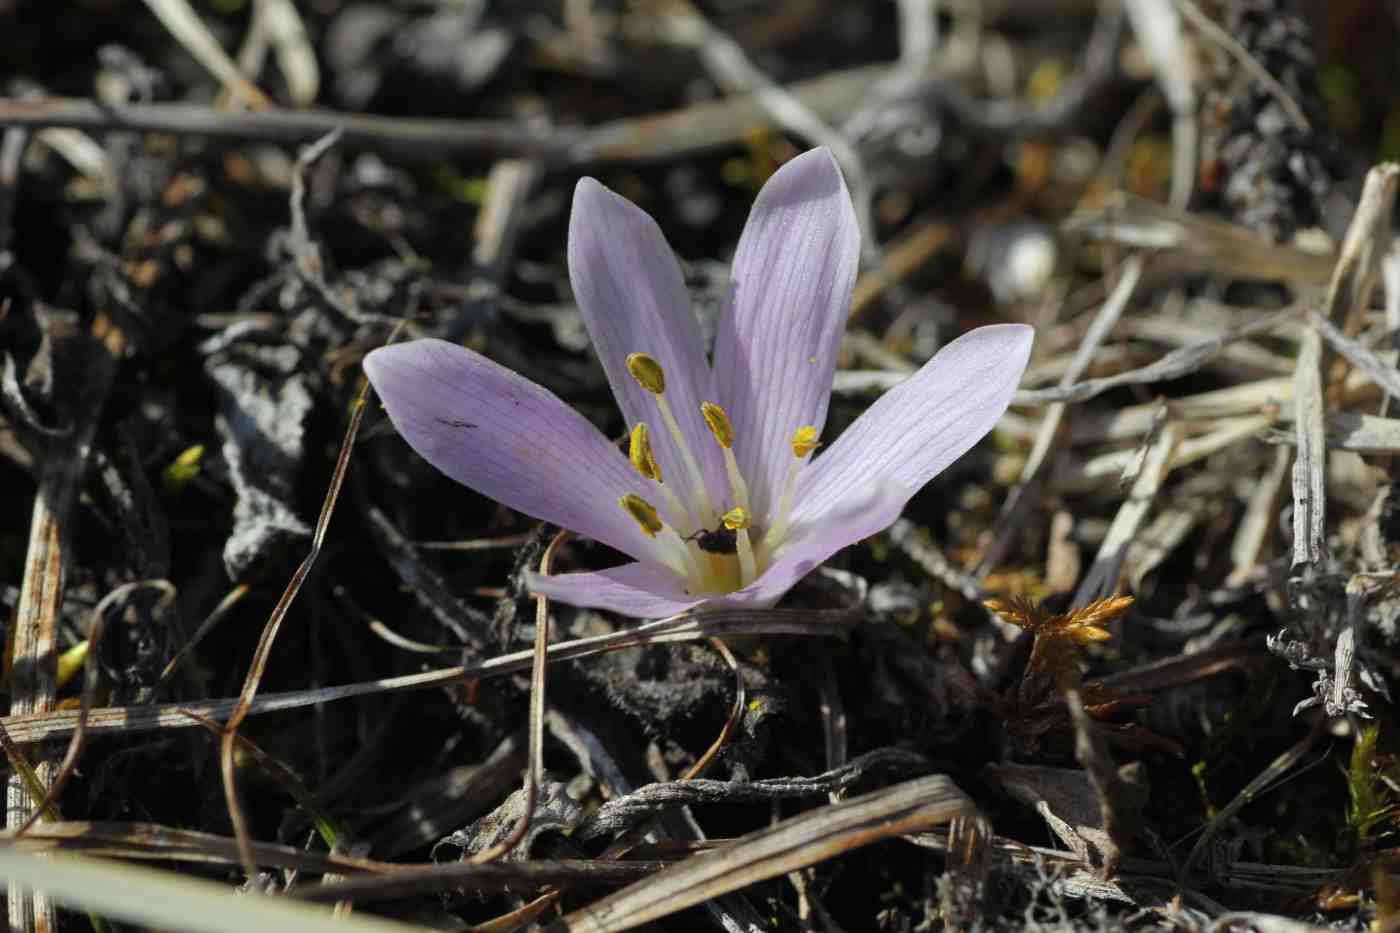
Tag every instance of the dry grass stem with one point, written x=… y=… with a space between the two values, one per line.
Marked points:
x=244 y=704
x=769 y=622
x=534 y=758
x=1172 y=555
x=1018 y=499
x=814 y=836
x=1310 y=461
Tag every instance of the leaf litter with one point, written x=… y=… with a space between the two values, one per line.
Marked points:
x=1127 y=664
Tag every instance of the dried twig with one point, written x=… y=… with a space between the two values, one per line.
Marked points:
x=718 y=623
x=1174 y=365
x=1198 y=243
x=277 y=25
x=1126 y=463
x=624 y=814
x=243 y=706
x=905 y=535
x=914 y=806
x=731 y=67
x=1367 y=240
x=1158 y=28
x=648 y=138
x=226 y=605
x=189 y=30
x=1017 y=117
x=149 y=898
x=1347 y=430
x=535 y=756
x=33 y=679
x=1262 y=781
x=1309 y=468
x=1002 y=531
x=1102 y=577
x=1260 y=517
x=1379 y=371
x=152 y=842
x=419 y=880
x=90 y=682
x=736 y=714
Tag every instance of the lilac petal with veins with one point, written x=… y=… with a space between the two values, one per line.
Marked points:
x=633 y=300
x=640 y=590
x=502 y=435
x=775 y=353
x=915 y=430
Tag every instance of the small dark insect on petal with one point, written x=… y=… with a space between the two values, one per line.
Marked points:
x=720 y=541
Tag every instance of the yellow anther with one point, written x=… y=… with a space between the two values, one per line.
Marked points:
x=651 y=377
x=640 y=453
x=718 y=422
x=644 y=513
x=647 y=372
x=737 y=518
x=804 y=441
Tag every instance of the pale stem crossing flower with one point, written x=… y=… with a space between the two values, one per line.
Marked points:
x=723 y=495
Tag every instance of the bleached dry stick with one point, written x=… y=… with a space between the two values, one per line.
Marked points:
x=1108 y=315
x=1309 y=469
x=1259 y=516
x=1102 y=578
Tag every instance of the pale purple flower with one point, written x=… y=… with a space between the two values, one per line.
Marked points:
x=723 y=499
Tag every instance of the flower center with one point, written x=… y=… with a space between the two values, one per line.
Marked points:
x=713 y=552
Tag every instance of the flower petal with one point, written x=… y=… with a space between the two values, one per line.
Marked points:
x=509 y=439
x=648 y=591
x=919 y=427
x=633 y=300
x=644 y=591
x=865 y=512
x=775 y=352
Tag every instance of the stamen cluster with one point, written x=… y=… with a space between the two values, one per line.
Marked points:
x=715 y=552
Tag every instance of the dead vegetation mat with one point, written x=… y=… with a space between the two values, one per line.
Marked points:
x=1124 y=666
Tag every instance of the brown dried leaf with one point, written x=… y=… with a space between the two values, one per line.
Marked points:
x=1087 y=624
x=1083 y=625
x=1018 y=610
x=1068 y=802
x=1035 y=707
x=1052 y=668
